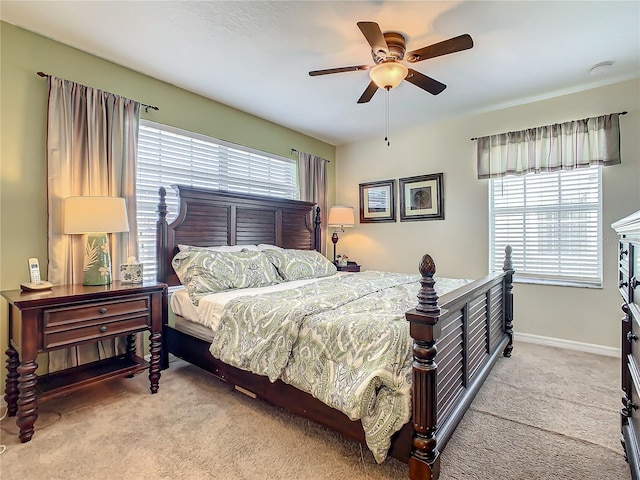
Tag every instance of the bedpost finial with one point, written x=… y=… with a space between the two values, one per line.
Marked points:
x=162 y=204
x=427 y=266
x=508 y=263
x=317 y=229
x=427 y=296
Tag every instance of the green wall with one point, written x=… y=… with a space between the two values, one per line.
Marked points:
x=23 y=108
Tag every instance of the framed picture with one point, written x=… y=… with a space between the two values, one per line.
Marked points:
x=421 y=198
x=378 y=201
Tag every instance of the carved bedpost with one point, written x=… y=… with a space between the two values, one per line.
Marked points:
x=161 y=237
x=508 y=299
x=162 y=275
x=425 y=330
x=317 y=231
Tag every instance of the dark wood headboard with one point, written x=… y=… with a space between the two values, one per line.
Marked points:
x=211 y=217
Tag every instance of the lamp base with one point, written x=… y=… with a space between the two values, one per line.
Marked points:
x=97 y=260
x=334 y=239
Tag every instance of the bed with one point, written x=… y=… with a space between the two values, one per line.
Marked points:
x=455 y=339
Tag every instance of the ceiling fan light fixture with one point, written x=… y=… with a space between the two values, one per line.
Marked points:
x=388 y=74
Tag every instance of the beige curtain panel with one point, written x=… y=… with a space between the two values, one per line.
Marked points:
x=312 y=183
x=92 y=141
x=562 y=146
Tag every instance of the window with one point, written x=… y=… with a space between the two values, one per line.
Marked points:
x=169 y=156
x=553 y=221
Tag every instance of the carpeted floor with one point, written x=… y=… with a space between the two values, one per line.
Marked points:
x=544 y=414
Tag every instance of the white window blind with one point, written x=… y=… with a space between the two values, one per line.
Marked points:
x=553 y=221
x=169 y=156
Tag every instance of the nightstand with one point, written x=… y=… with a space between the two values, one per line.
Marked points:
x=71 y=315
x=349 y=267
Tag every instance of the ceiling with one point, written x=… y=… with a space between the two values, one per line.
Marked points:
x=255 y=56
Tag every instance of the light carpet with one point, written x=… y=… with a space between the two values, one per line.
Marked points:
x=545 y=414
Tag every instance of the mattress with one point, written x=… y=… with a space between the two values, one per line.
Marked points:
x=202 y=320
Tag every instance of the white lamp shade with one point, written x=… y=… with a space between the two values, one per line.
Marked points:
x=340 y=216
x=388 y=74
x=95 y=215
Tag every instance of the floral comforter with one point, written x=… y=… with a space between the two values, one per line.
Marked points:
x=344 y=340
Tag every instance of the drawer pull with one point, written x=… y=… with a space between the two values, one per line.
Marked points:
x=623 y=284
x=104 y=329
x=629 y=407
x=634 y=282
x=623 y=253
x=632 y=336
x=103 y=310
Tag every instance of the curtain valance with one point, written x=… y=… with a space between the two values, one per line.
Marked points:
x=562 y=146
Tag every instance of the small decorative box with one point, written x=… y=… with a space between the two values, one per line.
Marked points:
x=131 y=272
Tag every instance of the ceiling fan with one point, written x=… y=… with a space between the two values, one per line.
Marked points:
x=388 y=52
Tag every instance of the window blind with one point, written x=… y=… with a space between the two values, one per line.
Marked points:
x=169 y=156
x=553 y=221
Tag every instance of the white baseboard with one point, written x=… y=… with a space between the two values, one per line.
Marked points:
x=568 y=344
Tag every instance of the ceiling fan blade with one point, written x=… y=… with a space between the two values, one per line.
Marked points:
x=432 y=86
x=373 y=34
x=368 y=93
x=456 y=44
x=327 y=71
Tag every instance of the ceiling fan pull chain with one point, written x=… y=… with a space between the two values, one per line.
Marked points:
x=386 y=120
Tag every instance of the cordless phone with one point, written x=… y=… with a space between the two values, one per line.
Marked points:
x=36 y=282
x=34 y=270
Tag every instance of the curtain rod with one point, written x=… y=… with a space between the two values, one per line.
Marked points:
x=293 y=150
x=619 y=113
x=144 y=105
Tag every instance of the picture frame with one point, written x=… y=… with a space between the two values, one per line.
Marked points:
x=422 y=198
x=378 y=201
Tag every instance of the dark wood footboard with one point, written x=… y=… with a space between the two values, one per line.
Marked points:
x=457 y=338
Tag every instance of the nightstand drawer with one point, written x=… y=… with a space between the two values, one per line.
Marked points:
x=58 y=318
x=349 y=267
x=92 y=321
x=94 y=330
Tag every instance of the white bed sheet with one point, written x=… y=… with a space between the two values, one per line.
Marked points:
x=210 y=307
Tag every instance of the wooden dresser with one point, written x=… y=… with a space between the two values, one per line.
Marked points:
x=629 y=284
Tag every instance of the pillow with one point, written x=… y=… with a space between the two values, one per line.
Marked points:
x=221 y=248
x=264 y=246
x=203 y=271
x=300 y=264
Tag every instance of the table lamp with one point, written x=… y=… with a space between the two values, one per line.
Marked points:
x=339 y=217
x=96 y=216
